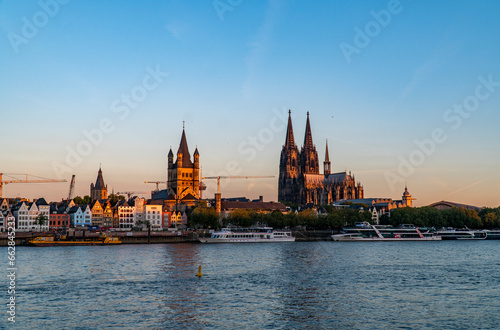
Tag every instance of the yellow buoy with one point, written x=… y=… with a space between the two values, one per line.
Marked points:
x=199 y=272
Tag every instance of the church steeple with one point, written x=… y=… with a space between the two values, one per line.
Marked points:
x=308 y=140
x=308 y=153
x=326 y=165
x=290 y=141
x=183 y=157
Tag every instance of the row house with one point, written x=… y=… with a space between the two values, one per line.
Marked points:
x=97 y=214
x=80 y=216
x=153 y=215
x=126 y=215
x=4 y=204
x=27 y=215
x=7 y=219
x=179 y=218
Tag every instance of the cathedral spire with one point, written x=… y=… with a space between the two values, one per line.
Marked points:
x=326 y=165
x=308 y=140
x=327 y=157
x=290 y=141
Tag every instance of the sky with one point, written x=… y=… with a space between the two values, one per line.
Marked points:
x=405 y=92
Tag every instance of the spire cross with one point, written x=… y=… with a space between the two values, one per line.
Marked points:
x=183 y=124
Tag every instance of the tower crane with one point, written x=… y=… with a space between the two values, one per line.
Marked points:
x=27 y=180
x=130 y=193
x=71 y=188
x=233 y=177
x=157 y=183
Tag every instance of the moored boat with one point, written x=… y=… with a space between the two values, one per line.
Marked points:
x=249 y=235
x=462 y=234
x=103 y=239
x=376 y=233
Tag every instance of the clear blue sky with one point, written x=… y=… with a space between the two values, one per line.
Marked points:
x=233 y=69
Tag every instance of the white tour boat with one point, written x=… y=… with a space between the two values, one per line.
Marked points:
x=249 y=235
x=461 y=234
x=365 y=232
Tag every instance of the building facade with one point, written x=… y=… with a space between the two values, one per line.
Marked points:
x=183 y=175
x=300 y=181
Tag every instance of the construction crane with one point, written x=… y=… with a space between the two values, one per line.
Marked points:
x=232 y=177
x=157 y=183
x=71 y=188
x=130 y=193
x=16 y=180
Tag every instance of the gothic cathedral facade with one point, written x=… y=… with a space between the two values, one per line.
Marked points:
x=299 y=179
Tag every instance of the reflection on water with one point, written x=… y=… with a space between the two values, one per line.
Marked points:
x=293 y=285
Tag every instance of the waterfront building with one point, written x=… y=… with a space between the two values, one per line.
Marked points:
x=300 y=181
x=179 y=218
x=380 y=206
x=26 y=214
x=97 y=213
x=107 y=213
x=4 y=204
x=444 y=205
x=6 y=218
x=99 y=190
x=59 y=220
x=126 y=214
x=81 y=216
x=166 y=217
x=153 y=215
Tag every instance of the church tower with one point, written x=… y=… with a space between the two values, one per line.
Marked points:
x=183 y=175
x=327 y=165
x=99 y=190
x=309 y=156
x=407 y=198
x=289 y=166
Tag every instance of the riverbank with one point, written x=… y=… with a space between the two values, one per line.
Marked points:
x=155 y=237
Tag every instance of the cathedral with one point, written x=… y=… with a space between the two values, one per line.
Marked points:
x=299 y=179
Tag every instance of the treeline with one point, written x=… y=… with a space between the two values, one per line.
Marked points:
x=487 y=218
x=203 y=217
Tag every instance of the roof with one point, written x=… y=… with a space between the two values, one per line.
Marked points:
x=184 y=151
x=188 y=197
x=227 y=205
x=99 y=182
x=447 y=205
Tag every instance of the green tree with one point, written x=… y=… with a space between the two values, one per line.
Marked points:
x=113 y=199
x=80 y=201
x=40 y=220
x=204 y=217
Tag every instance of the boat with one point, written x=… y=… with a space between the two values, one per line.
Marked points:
x=249 y=235
x=103 y=239
x=492 y=234
x=365 y=232
x=462 y=234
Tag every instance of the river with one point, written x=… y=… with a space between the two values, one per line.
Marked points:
x=312 y=285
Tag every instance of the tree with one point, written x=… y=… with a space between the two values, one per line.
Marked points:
x=80 y=201
x=113 y=199
x=40 y=220
x=204 y=217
